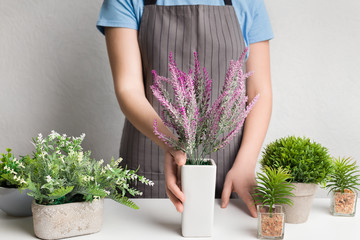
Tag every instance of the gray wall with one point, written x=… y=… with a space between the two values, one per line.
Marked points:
x=54 y=74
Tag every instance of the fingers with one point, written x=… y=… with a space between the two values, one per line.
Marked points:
x=179 y=157
x=248 y=200
x=173 y=191
x=225 y=196
x=178 y=205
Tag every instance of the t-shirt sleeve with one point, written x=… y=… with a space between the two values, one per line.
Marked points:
x=260 y=29
x=117 y=13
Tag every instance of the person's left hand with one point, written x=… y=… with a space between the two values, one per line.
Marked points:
x=241 y=180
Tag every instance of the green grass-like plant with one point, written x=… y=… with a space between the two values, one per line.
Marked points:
x=307 y=161
x=273 y=187
x=346 y=175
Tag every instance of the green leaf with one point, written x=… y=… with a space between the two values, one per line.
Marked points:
x=60 y=192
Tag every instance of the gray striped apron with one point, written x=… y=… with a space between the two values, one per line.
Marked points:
x=214 y=32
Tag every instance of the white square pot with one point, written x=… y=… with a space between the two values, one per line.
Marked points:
x=67 y=220
x=198 y=185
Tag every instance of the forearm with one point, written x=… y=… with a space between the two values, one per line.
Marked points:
x=255 y=129
x=125 y=62
x=257 y=122
x=141 y=114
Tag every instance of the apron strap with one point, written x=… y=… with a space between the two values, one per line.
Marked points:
x=149 y=2
x=152 y=2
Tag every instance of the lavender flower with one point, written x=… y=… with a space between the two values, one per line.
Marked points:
x=202 y=128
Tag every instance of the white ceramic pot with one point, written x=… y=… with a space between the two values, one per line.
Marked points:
x=67 y=220
x=302 y=203
x=198 y=185
x=15 y=203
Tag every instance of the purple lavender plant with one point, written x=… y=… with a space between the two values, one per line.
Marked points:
x=198 y=125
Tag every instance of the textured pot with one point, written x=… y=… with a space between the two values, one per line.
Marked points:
x=15 y=203
x=343 y=204
x=67 y=220
x=302 y=202
x=198 y=185
x=271 y=225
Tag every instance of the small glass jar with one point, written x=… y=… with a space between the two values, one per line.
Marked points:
x=271 y=225
x=343 y=204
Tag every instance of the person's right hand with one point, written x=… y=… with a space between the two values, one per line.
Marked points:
x=173 y=161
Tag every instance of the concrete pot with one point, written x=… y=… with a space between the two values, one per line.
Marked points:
x=15 y=203
x=303 y=199
x=67 y=220
x=198 y=185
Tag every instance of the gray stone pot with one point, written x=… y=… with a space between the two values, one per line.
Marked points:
x=67 y=220
x=303 y=199
x=15 y=203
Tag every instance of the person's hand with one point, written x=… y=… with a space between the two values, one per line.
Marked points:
x=242 y=181
x=173 y=161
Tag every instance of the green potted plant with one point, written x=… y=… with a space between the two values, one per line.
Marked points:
x=13 y=201
x=201 y=128
x=273 y=188
x=309 y=164
x=342 y=184
x=68 y=187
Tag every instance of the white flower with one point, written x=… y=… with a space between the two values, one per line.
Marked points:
x=21 y=165
x=43 y=153
x=82 y=136
x=58 y=152
x=101 y=161
x=13 y=172
x=118 y=161
x=22 y=181
x=80 y=156
x=48 y=178
x=96 y=198
x=107 y=192
x=40 y=136
x=108 y=167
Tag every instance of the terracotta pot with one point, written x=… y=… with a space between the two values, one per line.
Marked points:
x=198 y=185
x=343 y=204
x=271 y=225
x=67 y=220
x=302 y=202
x=15 y=203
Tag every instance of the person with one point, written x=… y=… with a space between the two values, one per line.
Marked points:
x=139 y=37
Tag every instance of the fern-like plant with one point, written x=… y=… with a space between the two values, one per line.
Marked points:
x=346 y=175
x=273 y=187
x=60 y=172
x=308 y=161
x=9 y=165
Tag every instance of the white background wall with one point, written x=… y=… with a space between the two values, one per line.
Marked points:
x=54 y=74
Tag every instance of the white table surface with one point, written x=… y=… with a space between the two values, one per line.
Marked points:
x=158 y=219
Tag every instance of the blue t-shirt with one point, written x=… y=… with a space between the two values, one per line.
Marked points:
x=252 y=15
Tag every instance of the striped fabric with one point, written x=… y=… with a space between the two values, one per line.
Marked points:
x=214 y=32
